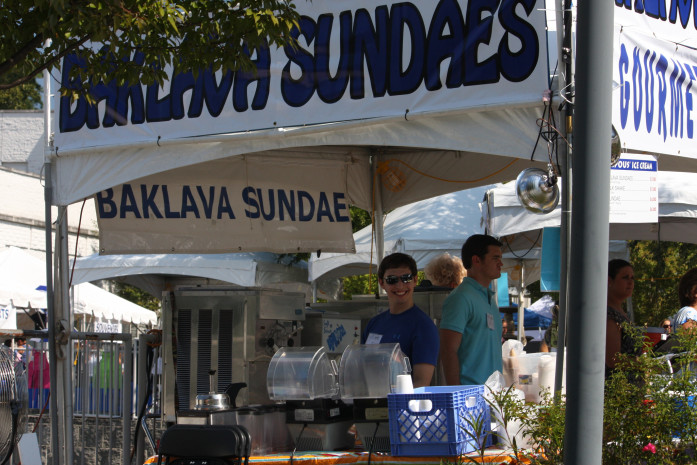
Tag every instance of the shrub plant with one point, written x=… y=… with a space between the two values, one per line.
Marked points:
x=649 y=417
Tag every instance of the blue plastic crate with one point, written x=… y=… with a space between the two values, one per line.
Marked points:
x=445 y=429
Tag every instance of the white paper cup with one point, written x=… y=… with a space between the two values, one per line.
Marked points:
x=404 y=385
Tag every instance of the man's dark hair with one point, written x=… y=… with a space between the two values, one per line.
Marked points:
x=477 y=244
x=615 y=265
x=397 y=260
x=8 y=342
x=687 y=282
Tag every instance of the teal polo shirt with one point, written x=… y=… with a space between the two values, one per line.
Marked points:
x=465 y=310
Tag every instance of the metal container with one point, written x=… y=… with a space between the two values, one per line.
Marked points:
x=212 y=400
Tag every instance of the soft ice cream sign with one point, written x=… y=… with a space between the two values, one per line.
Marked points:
x=634 y=190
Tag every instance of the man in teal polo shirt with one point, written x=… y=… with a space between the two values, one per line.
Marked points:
x=470 y=327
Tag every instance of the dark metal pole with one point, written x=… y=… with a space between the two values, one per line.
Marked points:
x=50 y=309
x=567 y=81
x=590 y=233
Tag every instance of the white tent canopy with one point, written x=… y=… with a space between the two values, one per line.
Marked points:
x=422 y=229
x=22 y=275
x=154 y=272
x=381 y=149
x=677 y=215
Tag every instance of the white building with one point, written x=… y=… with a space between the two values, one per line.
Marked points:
x=22 y=210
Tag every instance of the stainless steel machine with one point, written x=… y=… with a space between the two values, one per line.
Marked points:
x=232 y=331
x=334 y=325
x=218 y=336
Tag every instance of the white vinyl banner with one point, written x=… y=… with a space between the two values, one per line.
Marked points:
x=233 y=205
x=655 y=74
x=105 y=326
x=8 y=317
x=356 y=60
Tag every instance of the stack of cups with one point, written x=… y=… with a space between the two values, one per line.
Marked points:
x=404 y=385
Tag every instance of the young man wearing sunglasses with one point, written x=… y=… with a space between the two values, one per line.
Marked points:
x=404 y=322
x=470 y=327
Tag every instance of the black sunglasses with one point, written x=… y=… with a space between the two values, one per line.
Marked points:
x=405 y=278
x=666 y=326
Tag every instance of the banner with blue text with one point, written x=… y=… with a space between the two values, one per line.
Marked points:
x=655 y=75
x=356 y=60
x=243 y=205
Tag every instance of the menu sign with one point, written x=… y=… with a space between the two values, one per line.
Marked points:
x=634 y=190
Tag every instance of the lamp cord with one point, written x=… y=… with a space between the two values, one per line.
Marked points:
x=508 y=245
x=372 y=441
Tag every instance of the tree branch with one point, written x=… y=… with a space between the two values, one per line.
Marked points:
x=33 y=44
x=47 y=64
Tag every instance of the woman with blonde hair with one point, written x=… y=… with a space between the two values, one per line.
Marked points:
x=445 y=271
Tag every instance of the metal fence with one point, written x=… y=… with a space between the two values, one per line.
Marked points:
x=105 y=395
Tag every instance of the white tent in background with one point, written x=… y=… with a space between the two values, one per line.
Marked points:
x=156 y=273
x=422 y=229
x=677 y=215
x=521 y=231
x=22 y=276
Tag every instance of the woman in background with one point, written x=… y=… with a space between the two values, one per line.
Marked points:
x=667 y=326
x=445 y=271
x=620 y=285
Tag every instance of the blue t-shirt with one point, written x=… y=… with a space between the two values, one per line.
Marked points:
x=415 y=332
x=471 y=309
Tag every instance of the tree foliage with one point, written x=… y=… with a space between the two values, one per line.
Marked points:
x=137 y=296
x=359 y=218
x=658 y=267
x=23 y=97
x=191 y=34
x=362 y=284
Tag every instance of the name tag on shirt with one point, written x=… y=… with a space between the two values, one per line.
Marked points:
x=490 y=321
x=373 y=338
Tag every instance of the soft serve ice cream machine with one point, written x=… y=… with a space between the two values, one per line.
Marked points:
x=232 y=331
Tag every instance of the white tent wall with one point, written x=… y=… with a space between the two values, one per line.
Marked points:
x=157 y=273
x=422 y=229
x=469 y=132
x=442 y=168
x=523 y=265
x=21 y=274
x=677 y=215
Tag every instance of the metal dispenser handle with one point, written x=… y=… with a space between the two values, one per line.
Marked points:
x=211 y=380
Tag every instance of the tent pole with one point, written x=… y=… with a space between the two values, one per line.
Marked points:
x=378 y=219
x=521 y=310
x=564 y=32
x=50 y=309
x=590 y=234
x=63 y=342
